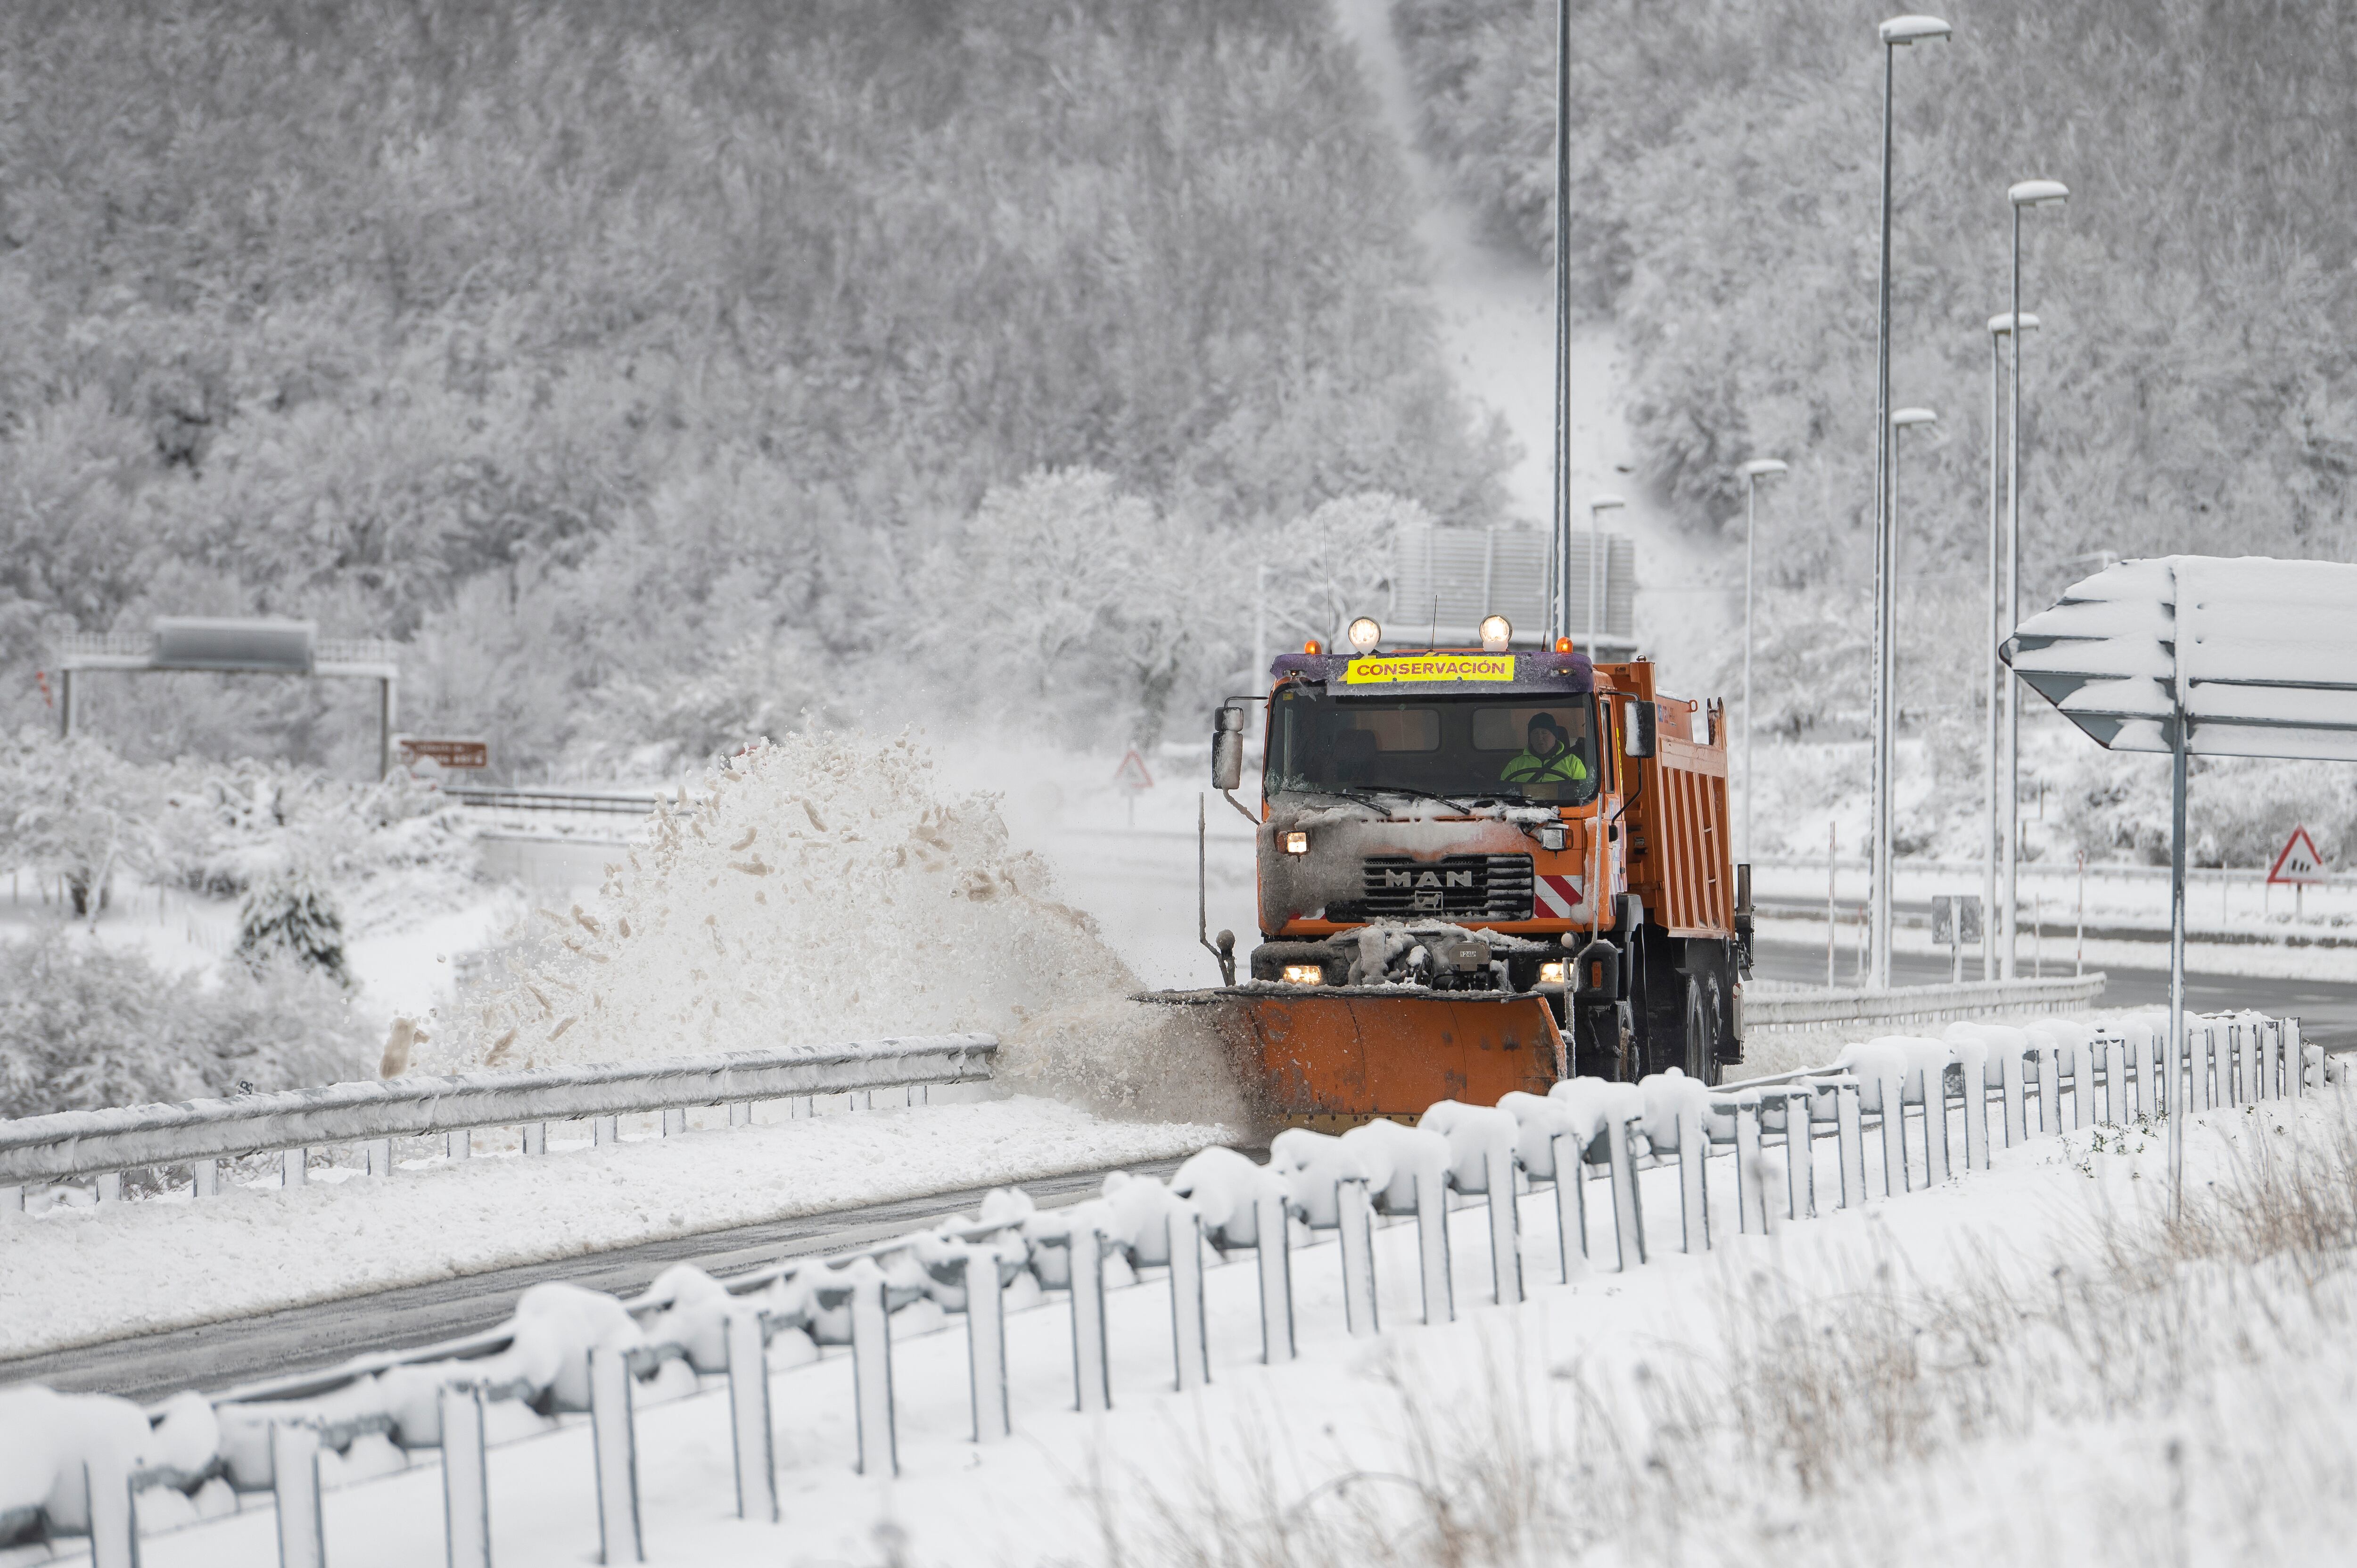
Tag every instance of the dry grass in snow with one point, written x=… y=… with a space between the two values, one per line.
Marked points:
x=2127 y=1390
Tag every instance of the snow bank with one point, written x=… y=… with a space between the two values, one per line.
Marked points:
x=824 y=889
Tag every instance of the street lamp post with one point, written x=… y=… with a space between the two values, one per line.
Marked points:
x=1886 y=676
x=1759 y=469
x=1596 y=510
x=1561 y=576
x=1897 y=33
x=1999 y=327
x=2027 y=193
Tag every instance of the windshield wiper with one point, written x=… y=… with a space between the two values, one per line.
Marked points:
x=1426 y=795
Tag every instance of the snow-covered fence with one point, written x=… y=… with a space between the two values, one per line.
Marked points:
x=1894 y=1108
x=1920 y=1003
x=200 y=1134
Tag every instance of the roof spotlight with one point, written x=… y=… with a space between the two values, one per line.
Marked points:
x=1497 y=631
x=1365 y=634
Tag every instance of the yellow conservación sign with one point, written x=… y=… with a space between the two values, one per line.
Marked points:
x=1420 y=667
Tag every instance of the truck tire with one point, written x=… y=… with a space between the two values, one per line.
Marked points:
x=1701 y=1032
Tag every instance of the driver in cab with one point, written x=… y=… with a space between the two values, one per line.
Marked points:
x=1547 y=757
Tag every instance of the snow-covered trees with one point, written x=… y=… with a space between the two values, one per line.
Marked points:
x=74 y=809
x=668 y=334
x=83 y=1026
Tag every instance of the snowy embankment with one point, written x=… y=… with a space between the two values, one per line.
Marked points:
x=2023 y=1365
x=83 y=1274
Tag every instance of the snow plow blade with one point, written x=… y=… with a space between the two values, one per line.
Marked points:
x=1331 y=1059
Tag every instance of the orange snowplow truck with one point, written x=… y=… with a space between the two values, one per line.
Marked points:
x=1478 y=870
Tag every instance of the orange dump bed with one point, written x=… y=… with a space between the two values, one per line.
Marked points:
x=1679 y=851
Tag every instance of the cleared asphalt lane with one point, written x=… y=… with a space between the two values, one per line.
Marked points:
x=217 y=1355
x=2327 y=1009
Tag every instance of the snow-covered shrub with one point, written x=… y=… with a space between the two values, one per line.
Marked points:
x=825 y=890
x=82 y=1026
x=230 y=824
x=289 y=916
x=71 y=808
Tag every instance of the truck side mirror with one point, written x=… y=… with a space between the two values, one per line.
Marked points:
x=1638 y=719
x=1227 y=749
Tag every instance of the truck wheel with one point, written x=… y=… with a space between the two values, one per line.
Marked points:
x=1701 y=1035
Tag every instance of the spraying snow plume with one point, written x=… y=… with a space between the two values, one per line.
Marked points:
x=824 y=889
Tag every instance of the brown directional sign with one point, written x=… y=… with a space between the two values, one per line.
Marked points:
x=448 y=753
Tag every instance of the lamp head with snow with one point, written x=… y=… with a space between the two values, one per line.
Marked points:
x=1762 y=469
x=1496 y=634
x=2038 y=193
x=1606 y=503
x=2001 y=324
x=1908 y=418
x=1365 y=634
x=1913 y=29
x=2248 y=657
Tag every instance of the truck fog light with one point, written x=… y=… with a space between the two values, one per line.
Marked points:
x=1551 y=974
x=1297 y=842
x=1551 y=836
x=1496 y=634
x=1365 y=634
x=1311 y=974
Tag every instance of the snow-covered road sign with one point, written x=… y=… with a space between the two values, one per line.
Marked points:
x=2298 y=862
x=1132 y=773
x=2200 y=656
x=2258 y=657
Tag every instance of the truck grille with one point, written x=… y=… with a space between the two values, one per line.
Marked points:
x=1459 y=886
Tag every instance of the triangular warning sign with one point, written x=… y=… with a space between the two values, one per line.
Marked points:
x=1132 y=773
x=2298 y=862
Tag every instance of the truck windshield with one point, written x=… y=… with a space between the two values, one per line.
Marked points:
x=1531 y=746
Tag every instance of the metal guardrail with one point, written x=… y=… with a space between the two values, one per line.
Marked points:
x=1912 y=1106
x=200 y=1132
x=522 y=800
x=1920 y=1003
x=1968 y=872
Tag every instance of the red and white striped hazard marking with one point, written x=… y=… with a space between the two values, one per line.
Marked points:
x=1557 y=894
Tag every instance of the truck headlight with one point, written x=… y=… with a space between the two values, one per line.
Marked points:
x=1311 y=974
x=1496 y=634
x=1551 y=974
x=1365 y=634
x=1297 y=842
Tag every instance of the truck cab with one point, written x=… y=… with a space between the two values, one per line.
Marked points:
x=1521 y=821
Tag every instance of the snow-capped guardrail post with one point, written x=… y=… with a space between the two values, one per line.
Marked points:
x=1849 y=1140
x=1273 y=1248
x=1354 y=1231
x=984 y=1283
x=1091 y=1356
x=862 y=1287
x=746 y=1330
x=1693 y=1179
x=113 y=1509
x=2013 y=1087
x=1972 y=1079
x=466 y=1476
x=1800 y=1156
x=1628 y=1218
x=1189 y=1331
x=1481 y=1161
x=614 y=1446
x=295 y=1489
x=1751 y=1188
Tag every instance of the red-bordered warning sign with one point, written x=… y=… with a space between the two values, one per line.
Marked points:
x=2299 y=862
x=1132 y=773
